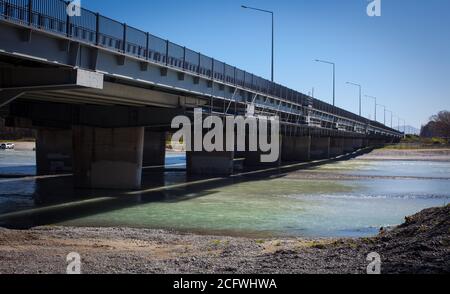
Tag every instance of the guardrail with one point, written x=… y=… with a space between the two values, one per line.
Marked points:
x=98 y=30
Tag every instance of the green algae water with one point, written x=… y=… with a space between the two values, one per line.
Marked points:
x=279 y=205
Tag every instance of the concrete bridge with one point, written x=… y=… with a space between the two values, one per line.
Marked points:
x=102 y=95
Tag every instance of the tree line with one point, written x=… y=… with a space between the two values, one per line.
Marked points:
x=439 y=126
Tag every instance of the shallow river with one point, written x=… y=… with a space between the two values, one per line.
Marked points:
x=280 y=205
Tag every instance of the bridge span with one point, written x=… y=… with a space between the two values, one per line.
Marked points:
x=102 y=94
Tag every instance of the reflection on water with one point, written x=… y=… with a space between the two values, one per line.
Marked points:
x=245 y=206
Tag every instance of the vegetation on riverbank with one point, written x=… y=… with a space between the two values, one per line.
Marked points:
x=413 y=142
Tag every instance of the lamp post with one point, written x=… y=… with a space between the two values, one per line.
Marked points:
x=395 y=116
x=360 y=93
x=374 y=98
x=392 y=115
x=384 y=112
x=334 y=77
x=273 y=31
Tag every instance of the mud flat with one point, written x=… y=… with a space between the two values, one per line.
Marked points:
x=420 y=245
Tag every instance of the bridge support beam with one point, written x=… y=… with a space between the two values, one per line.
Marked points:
x=154 y=148
x=210 y=163
x=320 y=148
x=295 y=149
x=336 y=147
x=53 y=151
x=108 y=158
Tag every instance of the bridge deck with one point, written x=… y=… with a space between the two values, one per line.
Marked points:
x=126 y=55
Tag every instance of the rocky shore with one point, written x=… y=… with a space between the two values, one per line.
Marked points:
x=420 y=245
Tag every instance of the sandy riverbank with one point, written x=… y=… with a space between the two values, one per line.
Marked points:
x=421 y=245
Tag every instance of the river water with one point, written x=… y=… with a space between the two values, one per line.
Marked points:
x=348 y=199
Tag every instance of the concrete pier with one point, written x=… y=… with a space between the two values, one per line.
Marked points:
x=348 y=145
x=210 y=163
x=357 y=144
x=296 y=149
x=253 y=160
x=336 y=147
x=53 y=151
x=320 y=148
x=154 y=148
x=108 y=158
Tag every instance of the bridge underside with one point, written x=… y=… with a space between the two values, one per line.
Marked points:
x=104 y=115
x=106 y=147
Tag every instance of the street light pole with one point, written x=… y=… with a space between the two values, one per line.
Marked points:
x=374 y=98
x=273 y=34
x=334 y=78
x=392 y=115
x=384 y=112
x=360 y=93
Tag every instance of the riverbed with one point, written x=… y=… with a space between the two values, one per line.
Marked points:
x=353 y=198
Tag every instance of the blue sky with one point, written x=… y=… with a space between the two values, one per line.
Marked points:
x=402 y=57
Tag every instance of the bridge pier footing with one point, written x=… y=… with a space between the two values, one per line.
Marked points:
x=154 y=148
x=210 y=163
x=53 y=151
x=320 y=148
x=108 y=158
x=253 y=160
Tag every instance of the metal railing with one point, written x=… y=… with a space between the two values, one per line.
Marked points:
x=98 y=30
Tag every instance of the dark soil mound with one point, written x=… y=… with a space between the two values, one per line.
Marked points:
x=420 y=245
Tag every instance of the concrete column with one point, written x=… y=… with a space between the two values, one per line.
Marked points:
x=376 y=142
x=53 y=151
x=154 y=148
x=296 y=149
x=108 y=158
x=253 y=159
x=357 y=144
x=320 y=148
x=215 y=163
x=348 y=145
x=365 y=143
x=210 y=163
x=336 y=147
